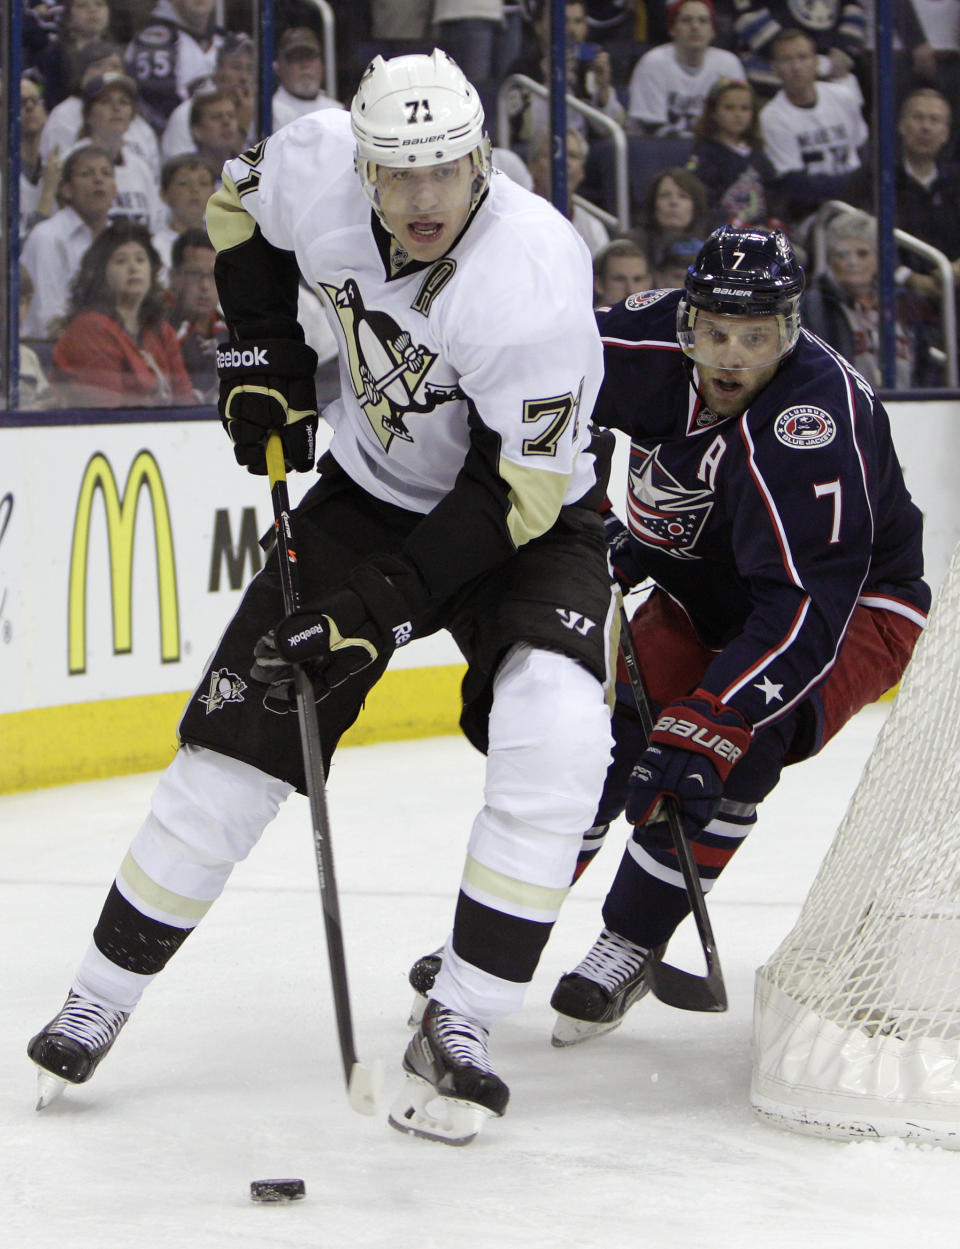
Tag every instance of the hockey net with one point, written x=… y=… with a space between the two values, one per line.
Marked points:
x=857 y=1013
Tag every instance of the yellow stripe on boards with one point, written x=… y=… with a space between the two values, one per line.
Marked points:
x=88 y=741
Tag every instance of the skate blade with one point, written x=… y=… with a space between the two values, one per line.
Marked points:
x=421 y=1111
x=570 y=1031
x=49 y=1088
x=417 y=1007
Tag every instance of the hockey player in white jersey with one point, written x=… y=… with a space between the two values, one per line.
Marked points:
x=459 y=492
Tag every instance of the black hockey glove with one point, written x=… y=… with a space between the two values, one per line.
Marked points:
x=619 y=551
x=267 y=385
x=364 y=620
x=693 y=747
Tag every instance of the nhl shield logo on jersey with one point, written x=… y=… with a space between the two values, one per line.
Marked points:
x=643 y=299
x=660 y=511
x=805 y=427
x=388 y=369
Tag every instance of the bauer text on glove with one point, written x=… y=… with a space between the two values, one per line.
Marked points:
x=695 y=743
x=268 y=385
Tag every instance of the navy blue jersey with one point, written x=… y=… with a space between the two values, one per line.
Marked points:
x=768 y=529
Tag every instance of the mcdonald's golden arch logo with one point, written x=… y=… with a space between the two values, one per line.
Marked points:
x=121 y=520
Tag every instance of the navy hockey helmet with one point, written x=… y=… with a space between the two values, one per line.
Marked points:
x=743 y=273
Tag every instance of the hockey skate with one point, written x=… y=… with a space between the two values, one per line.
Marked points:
x=451 y=1088
x=69 y=1049
x=594 y=997
x=423 y=976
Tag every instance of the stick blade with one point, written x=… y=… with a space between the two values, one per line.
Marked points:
x=683 y=989
x=365 y=1086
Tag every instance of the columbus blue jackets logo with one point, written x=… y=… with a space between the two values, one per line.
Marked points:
x=805 y=427
x=660 y=512
x=388 y=369
x=643 y=299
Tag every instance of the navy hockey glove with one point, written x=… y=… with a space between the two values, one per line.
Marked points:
x=268 y=385
x=693 y=746
x=363 y=621
x=620 y=549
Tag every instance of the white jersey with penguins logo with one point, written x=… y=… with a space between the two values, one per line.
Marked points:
x=500 y=329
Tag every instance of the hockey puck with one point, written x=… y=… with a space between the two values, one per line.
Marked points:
x=277 y=1190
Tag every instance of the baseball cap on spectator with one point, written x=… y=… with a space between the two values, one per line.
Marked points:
x=679 y=252
x=103 y=82
x=298 y=39
x=674 y=8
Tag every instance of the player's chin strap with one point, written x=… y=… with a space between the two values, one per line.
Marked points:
x=363 y=1083
x=671 y=984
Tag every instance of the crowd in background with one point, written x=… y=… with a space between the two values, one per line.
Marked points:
x=742 y=111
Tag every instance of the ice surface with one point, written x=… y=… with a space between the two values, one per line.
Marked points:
x=229 y=1070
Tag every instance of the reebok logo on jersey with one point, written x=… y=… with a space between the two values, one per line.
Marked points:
x=234 y=358
x=402 y=633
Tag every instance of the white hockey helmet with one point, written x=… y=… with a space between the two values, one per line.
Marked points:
x=416 y=111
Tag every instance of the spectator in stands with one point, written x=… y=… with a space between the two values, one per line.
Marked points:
x=927 y=189
x=186 y=183
x=935 y=61
x=619 y=269
x=55 y=247
x=842 y=306
x=836 y=28
x=38 y=177
x=118 y=350
x=590 y=228
x=300 y=71
x=65 y=121
x=812 y=131
x=236 y=75
x=176 y=49
x=728 y=155
x=34 y=387
x=193 y=310
x=470 y=31
x=214 y=127
x=675 y=206
x=109 y=106
x=672 y=260
x=82 y=22
x=669 y=84
x=589 y=75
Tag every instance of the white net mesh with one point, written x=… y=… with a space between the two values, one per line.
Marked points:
x=857 y=1014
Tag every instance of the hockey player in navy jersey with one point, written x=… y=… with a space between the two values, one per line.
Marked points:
x=766 y=504
x=460 y=491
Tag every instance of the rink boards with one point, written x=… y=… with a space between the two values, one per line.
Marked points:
x=124 y=549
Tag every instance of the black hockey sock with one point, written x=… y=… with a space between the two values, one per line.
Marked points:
x=134 y=941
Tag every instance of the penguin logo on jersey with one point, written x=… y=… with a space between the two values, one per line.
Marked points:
x=388 y=369
x=225 y=687
x=805 y=427
x=662 y=513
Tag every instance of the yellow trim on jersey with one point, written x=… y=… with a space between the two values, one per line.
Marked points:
x=517 y=893
x=228 y=222
x=158 y=898
x=535 y=500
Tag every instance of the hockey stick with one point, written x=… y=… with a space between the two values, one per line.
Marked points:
x=668 y=983
x=363 y=1083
